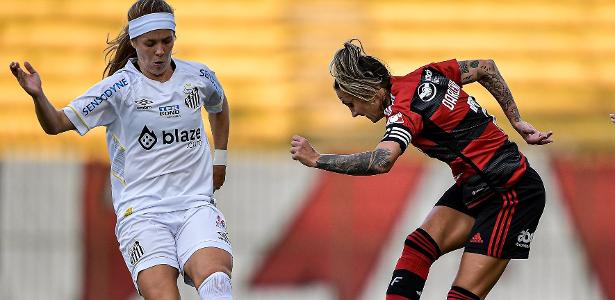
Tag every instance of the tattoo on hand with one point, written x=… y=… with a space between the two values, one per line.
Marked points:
x=364 y=163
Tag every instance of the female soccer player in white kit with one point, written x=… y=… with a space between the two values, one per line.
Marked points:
x=161 y=168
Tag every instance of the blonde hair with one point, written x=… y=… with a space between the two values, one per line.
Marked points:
x=357 y=73
x=119 y=50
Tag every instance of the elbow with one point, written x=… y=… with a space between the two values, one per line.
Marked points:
x=51 y=130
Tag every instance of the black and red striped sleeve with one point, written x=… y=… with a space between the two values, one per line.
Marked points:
x=401 y=126
x=450 y=69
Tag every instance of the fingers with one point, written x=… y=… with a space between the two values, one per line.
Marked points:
x=29 y=68
x=14 y=66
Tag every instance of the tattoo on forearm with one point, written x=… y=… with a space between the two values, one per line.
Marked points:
x=474 y=63
x=463 y=66
x=495 y=84
x=364 y=163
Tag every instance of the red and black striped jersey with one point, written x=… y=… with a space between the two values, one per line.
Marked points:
x=430 y=110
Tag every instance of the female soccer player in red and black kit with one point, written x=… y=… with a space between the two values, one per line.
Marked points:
x=494 y=206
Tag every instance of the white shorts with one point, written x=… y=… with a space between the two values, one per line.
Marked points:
x=170 y=238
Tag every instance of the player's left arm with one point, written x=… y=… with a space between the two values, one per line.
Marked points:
x=220 y=124
x=378 y=161
x=487 y=74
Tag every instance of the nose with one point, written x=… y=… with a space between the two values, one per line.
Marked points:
x=159 y=50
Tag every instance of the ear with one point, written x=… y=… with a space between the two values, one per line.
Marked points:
x=379 y=96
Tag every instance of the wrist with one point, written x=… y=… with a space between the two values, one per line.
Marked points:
x=220 y=157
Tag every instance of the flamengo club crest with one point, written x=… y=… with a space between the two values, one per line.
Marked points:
x=193 y=100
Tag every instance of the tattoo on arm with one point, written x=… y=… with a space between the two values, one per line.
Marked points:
x=364 y=163
x=494 y=83
x=463 y=66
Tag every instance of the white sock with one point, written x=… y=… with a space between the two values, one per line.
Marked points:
x=216 y=287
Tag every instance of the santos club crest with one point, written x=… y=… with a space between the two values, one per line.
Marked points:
x=193 y=100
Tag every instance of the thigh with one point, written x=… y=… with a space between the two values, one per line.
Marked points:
x=145 y=242
x=449 y=222
x=203 y=245
x=479 y=273
x=158 y=282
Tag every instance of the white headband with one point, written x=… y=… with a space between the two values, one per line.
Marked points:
x=150 y=22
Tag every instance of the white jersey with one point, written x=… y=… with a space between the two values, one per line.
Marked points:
x=160 y=157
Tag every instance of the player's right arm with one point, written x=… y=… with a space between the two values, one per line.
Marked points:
x=378 y=161
x=52 y=120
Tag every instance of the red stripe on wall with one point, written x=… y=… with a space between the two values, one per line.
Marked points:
x=339 y=234
x=588 y=190
x=106 y=275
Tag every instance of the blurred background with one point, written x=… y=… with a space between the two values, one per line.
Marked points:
x=298 y=233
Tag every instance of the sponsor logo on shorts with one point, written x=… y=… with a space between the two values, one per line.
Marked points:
x=135 y=253
x=476 y=239
x=223 y=236
x=143 y=104
x=220 y=223
x=524 y=239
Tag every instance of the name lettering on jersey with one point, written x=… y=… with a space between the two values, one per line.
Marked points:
x=452 y=95
x=209 y=75
x=169 y=111
x=193 y=99
x=104 y=96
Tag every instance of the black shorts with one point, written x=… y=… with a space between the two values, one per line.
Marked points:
x=505 y=223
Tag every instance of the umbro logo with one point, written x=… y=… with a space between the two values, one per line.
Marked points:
x=144 y=104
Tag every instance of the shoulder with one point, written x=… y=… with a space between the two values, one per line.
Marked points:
x=192 y=67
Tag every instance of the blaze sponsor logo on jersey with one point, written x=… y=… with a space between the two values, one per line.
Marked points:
x=169 y=111
x=427 y=91
x=104 y=96
x=524 y=239
x=135 y=253
x=144 y=104
x=396 y=118
x=147 y=139
x=193 y=99
x=190 y=137
x=452 y=95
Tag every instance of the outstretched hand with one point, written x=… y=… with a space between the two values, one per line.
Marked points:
x=531 y=135
x=301 y=150
x=30 y=81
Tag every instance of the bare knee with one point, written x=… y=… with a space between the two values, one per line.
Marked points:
x=448 y=227
x=158 y=283
x=208 y=261
x=479 y=273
